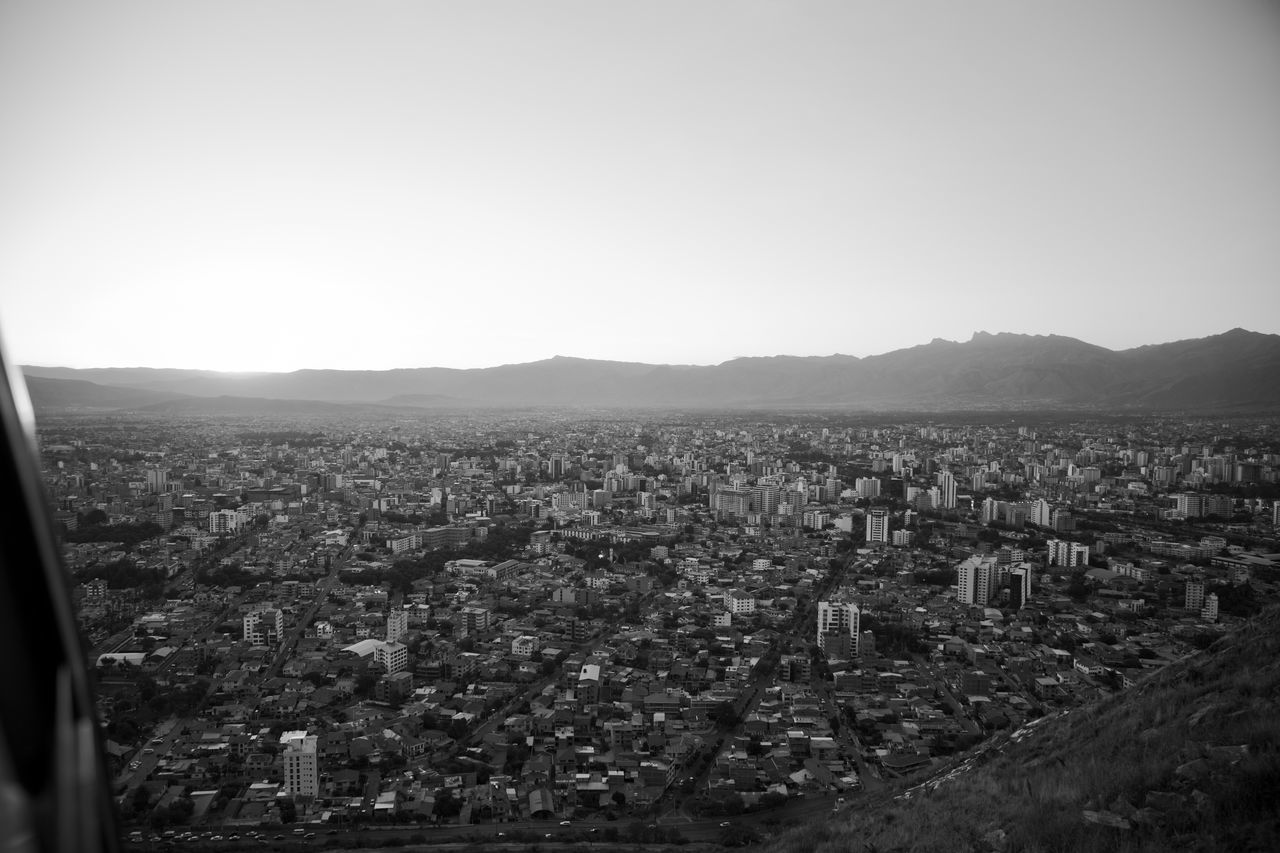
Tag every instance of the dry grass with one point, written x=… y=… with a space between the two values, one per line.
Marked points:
x=1122 y=747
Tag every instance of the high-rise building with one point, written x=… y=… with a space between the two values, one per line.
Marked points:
x=1194 y=596
x=264 y=627
x=838 y=628
x=475 y=620
x=157 y=480
x=1019 y=586
x=1209 y=612
x=1042 y=513
x=816 y=518
x=227 y=520
x=946 y=490
x=1190 y=504
x=765 y=498
x=397 y=625
x=301 y=764
x=990 y=510
x=1063 y=553
x=877 y=525
x=1014 y=514
x=834 y=488
x=731 y=504
x=974 y=581
x=394 y=657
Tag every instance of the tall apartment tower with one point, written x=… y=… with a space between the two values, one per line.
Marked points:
x=1195 y=596
x=947 y=490
x=877 y=525
x=393 y=657
x=765 y=498
x=157 y=480
x=1042 y=513
x=1019 y=586
x=1063 y=553
x=974 y=581
x=301 y=764
x=990 y=510
x=838 y=628
x=397 y=625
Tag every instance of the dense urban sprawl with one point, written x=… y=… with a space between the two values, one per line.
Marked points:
x=635 y=625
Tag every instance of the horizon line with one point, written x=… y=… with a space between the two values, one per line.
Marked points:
x=973 y=337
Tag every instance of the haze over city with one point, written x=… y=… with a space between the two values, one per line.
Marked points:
x=289 y=185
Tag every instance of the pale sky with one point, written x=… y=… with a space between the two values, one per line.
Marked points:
x=275 y=185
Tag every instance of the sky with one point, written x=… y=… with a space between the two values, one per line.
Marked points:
x=270 y=186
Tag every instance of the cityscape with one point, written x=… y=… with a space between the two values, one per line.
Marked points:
x=640 y=427
x=657 y=627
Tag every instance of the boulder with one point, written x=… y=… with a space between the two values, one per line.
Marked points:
x=1105 y=818
x=1226 y=753
x=1197 y=769
x=1121 y=806
x=1166 y=801
x=997 y=839
x=1196 y=718
x=1147 y=817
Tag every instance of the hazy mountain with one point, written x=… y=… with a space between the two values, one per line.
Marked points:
x=1187 y=759
x=252 y=406
x=1234 y=369
x=49 y=393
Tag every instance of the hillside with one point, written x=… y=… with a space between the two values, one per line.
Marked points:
x=1234 y=370
x=48 y=393
x=1189 y=759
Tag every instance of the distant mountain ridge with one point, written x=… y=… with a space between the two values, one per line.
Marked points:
x=1235 y=369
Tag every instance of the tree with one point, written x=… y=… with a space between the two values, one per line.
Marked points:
x=724 y=715
x=447 y=805
x=93 y=518
x=773 y=800
x=1079 y=588
x=316 y=678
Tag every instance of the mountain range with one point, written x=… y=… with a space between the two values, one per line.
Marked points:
x=1235 y=370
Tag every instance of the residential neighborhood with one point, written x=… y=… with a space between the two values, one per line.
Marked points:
x=599 y=623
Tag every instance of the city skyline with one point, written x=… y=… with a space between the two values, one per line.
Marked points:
x=357 y=186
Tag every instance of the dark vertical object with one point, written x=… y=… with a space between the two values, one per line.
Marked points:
x=54 y=795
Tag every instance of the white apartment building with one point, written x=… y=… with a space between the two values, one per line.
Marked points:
x=397 y=625
x=975 y=579
x=394 y=657
x=839 y=617
x=264 y=627
x=226 y=521
x=1062 y=553
x=877 y=525
x=301 y=764
x=738 y=602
